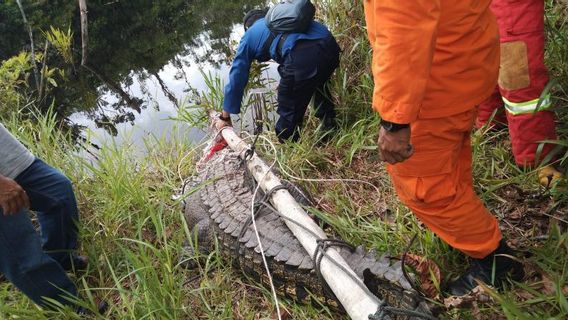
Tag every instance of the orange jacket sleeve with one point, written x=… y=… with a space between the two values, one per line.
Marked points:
x=402 y=34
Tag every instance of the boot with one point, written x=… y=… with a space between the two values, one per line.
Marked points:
x=491 y=270
x=328 y=128
x=102 y=307
x=76 y=263
x=329 y=124
x=548 y=176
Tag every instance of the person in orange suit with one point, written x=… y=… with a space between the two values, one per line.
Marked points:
x=434 y=61
x=522 y=79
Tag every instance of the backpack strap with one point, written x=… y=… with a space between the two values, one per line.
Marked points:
x=267 y=44
x=281 y=43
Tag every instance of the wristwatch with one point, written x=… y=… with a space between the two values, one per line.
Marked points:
x=393 y=127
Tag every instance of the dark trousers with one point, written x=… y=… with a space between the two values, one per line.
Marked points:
x=36 y=265
x=303 y=75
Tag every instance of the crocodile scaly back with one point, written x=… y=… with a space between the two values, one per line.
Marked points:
x=220 y=210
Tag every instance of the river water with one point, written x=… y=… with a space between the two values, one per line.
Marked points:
x=145 y=60
x=159 y=118
x=173 y=83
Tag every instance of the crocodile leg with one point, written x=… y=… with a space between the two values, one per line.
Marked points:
x=199 y=223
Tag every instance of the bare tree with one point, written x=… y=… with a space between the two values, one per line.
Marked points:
x=84 y=30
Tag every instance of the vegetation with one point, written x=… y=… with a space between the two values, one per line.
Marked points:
x=132 y=229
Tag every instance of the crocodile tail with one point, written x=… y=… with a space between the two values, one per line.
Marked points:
x=385 y=278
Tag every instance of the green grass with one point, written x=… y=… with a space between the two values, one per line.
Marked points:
x=132 y=230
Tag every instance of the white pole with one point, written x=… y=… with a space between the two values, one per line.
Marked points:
x=358 y=303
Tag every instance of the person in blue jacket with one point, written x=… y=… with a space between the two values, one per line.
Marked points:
x=306 y=62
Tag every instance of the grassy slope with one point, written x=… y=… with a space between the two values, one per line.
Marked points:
x=132 y=229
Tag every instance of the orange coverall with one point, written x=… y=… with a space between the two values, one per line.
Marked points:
x=434 y=61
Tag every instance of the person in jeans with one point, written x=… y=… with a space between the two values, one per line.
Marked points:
x=306 y=62
x=36 y=265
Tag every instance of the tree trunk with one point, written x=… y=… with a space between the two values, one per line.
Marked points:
x=165 y=89
x=41 y=89
x=131 y=102
x=84 y=31
x=34 y=65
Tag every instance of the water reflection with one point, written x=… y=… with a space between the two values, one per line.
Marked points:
x=143 y=58
x=162 y=92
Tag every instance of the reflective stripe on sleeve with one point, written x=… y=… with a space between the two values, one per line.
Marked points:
x=517 y=108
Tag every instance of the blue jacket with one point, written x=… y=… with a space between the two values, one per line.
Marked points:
x=250 y=48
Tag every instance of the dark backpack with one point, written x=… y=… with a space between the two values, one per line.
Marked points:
x=290 y=16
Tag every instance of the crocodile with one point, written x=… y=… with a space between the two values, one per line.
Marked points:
x=218 y=210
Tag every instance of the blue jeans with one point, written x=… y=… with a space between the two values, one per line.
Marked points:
x=35 y=264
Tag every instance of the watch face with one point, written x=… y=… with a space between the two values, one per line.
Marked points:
x=393 y=127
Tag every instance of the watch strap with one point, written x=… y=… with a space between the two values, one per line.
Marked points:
x=393 y=127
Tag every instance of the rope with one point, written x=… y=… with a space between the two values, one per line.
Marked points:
x=404 y=272
x=257 y=120
x=381 y=312
x=249 y=153
x=257 y=206
x=383 y=307
x=321 y=248
x=322 y=244
x=291 y=176
x=253 y=220
x=349 y=272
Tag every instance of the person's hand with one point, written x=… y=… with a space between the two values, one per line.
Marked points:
x=395 y=147
x=13 y=198
x=221 y=123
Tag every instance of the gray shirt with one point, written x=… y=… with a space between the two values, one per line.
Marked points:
x=14 y=157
